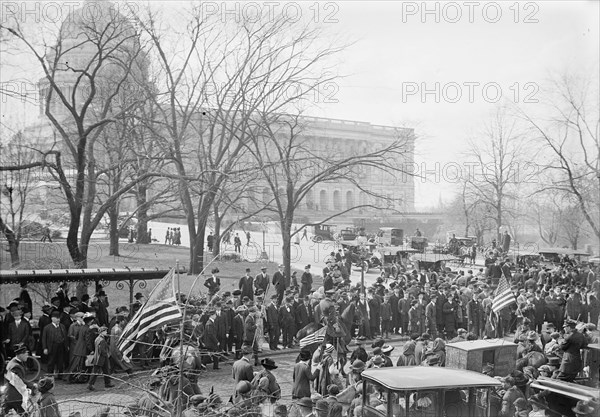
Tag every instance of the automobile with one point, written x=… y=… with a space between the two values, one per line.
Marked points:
x=323 y=232
x=409 y=391
x=361 y=255
x=347 y=234
x=419 y=243
x=562 y=396
x=556 y=255
x=392 y=256
x=390 y=236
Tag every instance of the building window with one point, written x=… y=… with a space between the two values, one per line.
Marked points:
x=323 y=200
x=349 y=200
x=337 y=200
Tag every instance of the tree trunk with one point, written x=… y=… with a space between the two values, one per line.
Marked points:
x=113 y=216
x=142 y=214
x=217 y=238
x=286 y=232
x=13 y=243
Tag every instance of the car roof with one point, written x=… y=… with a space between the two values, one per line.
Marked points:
x=423 y=377
x=480 y=344
x=432 y=257
x=567 y=389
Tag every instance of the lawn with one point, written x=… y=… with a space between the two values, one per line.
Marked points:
x=38 y=255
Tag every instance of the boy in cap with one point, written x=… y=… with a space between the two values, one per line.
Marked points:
x=101 y=359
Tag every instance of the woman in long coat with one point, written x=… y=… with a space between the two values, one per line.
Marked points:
x=324 y=378
x=407 y=358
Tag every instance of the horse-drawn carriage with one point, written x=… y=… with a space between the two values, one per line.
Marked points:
x=362 y=255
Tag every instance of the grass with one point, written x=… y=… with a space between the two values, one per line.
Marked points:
x=38 y=255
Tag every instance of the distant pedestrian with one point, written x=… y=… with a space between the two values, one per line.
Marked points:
x=210 y=241
x=248 y=238
x=168 y=236
x=149 y=235
x=304 y=234
x=46 y=234
x=237 y=243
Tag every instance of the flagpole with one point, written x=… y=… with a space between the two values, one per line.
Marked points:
x=181 y=334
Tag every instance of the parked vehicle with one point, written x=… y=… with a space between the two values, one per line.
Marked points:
x=390 y=236
x=425 y=391
x=323 y=232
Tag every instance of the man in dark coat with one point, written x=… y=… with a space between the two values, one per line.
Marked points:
x=211 y=343
x=571 y=363
x=242 y=369
x=540 y=311
x=281 y=283
x=213 y=283
x=374 y=313
x=287 y=323
x=18 y=330
x=62 y=294
x=101 y=359
x=403 y=308
x=15 y=376
x=53 y=343
x=101 y=310
x=439 y=310
x=250 y=338
x=25 y=297
x=273 y=323
x=394 y=298
x=246 y=285
x=475 y=315
x=221 y=326
x=304 y=313
x=237 y=330
x=261 y=281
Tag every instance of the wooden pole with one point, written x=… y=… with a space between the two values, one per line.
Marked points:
x=181 y=358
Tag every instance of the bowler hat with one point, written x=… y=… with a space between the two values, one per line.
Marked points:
x=138 y=295
x=268 y=363
x=215 y=271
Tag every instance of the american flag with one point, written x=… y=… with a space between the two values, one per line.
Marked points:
x=160 y=308
x=316 y=337
x=503 y=296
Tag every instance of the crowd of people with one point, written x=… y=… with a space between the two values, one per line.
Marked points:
x=554 y=313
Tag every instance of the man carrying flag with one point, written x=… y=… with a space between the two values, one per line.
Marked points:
x=503 y=297
x=161 y=308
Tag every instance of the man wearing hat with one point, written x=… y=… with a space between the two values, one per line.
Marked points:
x=18 y=330
x=246 y=285
x=101 y=309
x=431 y=314
x=573 y=342
x=137 y=304
x=261 y=281
x=304 y=313
x=287 y=323
x=101 y=361
x=16 y=396
x=273 y=319
x=281 y=283
x=303 y=376
x=213 y=283
x=250 y=338
x=53 y=344
x=237 y=329
x=584 y=408
x=266 y=383
x=209 y=339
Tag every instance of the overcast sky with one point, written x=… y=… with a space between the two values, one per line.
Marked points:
x=400 y=48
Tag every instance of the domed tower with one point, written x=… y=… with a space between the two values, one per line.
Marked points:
x=97 y=52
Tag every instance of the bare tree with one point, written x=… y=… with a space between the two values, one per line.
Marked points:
x=499 y=160
x=85 y=71
x=210 y=88
x=571 y=138
x=293 y=165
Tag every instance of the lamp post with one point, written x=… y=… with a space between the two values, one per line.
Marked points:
x=264 y=255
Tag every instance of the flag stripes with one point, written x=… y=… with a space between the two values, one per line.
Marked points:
x=503 y=297
x=316 y=337
x=161 y=308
